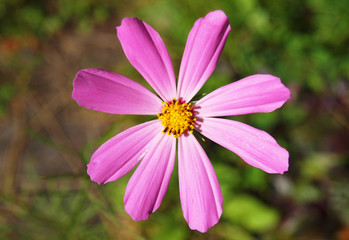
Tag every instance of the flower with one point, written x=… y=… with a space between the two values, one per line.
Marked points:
x=153 y=143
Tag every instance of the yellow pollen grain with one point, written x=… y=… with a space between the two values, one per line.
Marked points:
x=177 y=118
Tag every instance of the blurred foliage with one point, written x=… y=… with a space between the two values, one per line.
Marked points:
x=44 y=18
x=6 y=94
x=305 y=43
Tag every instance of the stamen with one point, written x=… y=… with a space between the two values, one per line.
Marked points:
x=176 y=117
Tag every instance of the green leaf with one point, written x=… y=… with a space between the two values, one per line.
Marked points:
x=251 y=214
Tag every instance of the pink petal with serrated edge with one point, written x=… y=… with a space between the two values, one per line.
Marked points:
x=146 y=51
x=256 y=93
x=204 y=46
x=120 y=154
x=109 y=92
x=200 y=193
x=254 y=146
x=148 y=184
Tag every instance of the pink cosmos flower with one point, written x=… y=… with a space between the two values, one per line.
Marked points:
x=153 y=143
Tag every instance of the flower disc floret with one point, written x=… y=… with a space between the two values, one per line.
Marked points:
x=177 y=117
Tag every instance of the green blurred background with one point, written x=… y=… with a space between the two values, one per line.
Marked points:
x=46 y=139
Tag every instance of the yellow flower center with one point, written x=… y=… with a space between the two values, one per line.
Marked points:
x=177 y=118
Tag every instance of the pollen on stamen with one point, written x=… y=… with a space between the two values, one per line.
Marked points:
x=176 y=117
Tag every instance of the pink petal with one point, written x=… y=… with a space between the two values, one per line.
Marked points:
x=148 y=184
x=204 y=46
x=120 y=154
x=254 y=146
x=109 y=92
x=146 y=51
x=257 y=93
x=200 y=193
